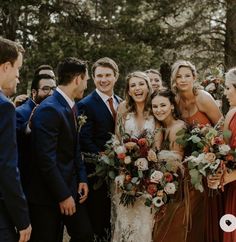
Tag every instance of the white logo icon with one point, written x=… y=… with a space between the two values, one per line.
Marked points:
x=228 y=223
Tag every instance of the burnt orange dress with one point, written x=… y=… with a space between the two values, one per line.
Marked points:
x=230 y=195
x=211 y=207
x=173 y=220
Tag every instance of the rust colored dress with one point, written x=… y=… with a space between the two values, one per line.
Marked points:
x=172 y=223
x=230 y=202
x=183 y=220
x=208 y=209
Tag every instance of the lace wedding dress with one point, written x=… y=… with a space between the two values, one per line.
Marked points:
x=133 y=223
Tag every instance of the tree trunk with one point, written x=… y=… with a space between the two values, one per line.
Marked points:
x=230 y=38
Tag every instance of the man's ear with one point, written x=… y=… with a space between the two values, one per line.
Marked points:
x=33 y=93
x=78 y=80
x=6 y=66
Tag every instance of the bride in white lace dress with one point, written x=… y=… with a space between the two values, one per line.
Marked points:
x=134 y=223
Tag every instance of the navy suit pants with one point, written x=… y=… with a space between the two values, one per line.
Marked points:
x=48 y=223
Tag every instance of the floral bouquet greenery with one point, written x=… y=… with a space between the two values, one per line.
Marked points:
x=213 y=83
x=137 y=171
x=209 y=152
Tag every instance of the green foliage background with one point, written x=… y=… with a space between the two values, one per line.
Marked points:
x=137 y=34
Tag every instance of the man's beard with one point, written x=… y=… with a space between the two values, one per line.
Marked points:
x=39 y=99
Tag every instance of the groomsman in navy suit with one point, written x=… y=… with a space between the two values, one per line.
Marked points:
x=100 y=108
x=13 y=206
x=42 y=86
x=58 y=182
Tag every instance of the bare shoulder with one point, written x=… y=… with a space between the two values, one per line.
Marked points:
x=206 y=103
x=177 y=126
x=203 y=96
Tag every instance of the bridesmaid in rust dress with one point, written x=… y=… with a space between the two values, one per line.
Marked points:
x=198 y=106
x=230 y=124
x=172 y=222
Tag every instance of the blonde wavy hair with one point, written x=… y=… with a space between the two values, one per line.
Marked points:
x=174 y=70
x=231 y=76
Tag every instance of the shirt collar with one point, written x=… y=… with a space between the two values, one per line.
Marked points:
x=68 y=100
x=103 y=96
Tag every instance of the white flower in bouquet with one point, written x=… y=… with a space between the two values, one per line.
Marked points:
x=173 y=158
x=210 y=157
x=120 y=149
x=170 y=188
x=197 y=160
x=127 y=160
x=224 y=149
x=195 y=130
x=215 y=165
x=142 y=164
x=210 y=87
x=119 y=180
x=167 y=155
x=157 y=201
x=152 y=155
x=115 y=141
x=156 y=176
x=130 y=145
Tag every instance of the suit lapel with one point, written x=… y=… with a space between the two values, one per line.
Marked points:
x=102 y=104
x=69 y=112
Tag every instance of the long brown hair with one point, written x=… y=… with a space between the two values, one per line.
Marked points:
x=130 y=103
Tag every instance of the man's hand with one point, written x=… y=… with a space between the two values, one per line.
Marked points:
x=67 y=206
x=20 y=99
x=83 y=191
x=25 y=234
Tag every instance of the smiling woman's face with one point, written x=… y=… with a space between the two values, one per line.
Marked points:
x=138 y=89
x=161 y=108
x=184 y=79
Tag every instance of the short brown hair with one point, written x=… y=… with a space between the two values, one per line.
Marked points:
x=9 y=51
x=106 y=62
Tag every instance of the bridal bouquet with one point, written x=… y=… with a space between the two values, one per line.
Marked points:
x=163 y=179
x=208 y=152
x=137 y=170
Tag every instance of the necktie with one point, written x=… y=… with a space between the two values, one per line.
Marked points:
x=75 y=114
x=110 y=102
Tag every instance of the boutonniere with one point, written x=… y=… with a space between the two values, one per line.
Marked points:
x=81 y=120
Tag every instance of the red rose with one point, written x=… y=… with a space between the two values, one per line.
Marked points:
x=142 y=142
x=168 y=177
x=152 y=189
x=218 y=141
x=121 y=156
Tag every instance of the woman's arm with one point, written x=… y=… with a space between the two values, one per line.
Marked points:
x=207 y=104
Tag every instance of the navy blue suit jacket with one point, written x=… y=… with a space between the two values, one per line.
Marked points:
x=58 y=166
x=12 y=198
x=100 y=123
x=23 y=113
